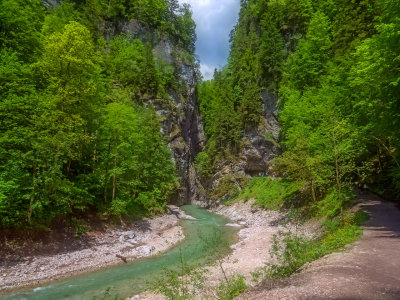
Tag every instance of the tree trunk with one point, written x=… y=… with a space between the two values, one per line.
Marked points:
x=313 y=191
x=115 y=166
x=114 y=178
x=106 y=173
x=32 y=200
x=379 y=158
x=68 y=166
x=95 y=153
x=337 y=171
x=339 y=185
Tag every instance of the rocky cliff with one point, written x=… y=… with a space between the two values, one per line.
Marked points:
x=260 y=146
x=182 y=127
x=181 y=122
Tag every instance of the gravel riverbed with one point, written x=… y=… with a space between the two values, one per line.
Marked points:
x=101 y=249
x=251 y=252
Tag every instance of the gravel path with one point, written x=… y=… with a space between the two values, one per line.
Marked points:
x=368 y=269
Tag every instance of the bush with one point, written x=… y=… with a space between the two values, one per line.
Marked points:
x=203 y=164
x=330 y=206
x=228 y=188
x=292 y=251
x=182 y=283
x=232 y=288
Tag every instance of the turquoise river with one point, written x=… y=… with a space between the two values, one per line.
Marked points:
x=206 y=237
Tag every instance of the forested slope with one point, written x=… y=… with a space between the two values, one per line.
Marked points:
x=78 y=128
x=335 y=67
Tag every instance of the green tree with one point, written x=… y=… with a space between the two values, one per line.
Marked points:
x=135 y=163
x=149 y=78
x=20 y=24
x=250 y=107
x=309 y=61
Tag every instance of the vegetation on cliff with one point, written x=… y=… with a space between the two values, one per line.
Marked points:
x=334 y=66
x=73 y=138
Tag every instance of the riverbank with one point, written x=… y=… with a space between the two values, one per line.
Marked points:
x=251 y=252
x=92 y=251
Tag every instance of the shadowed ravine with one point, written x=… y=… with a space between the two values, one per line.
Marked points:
x=205 y=237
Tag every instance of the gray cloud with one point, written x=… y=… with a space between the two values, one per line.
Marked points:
x=214 y=19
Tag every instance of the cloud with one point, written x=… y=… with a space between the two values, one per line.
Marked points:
x=214 y=19
x=207 y=71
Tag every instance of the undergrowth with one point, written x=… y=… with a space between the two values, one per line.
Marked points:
x=292 y=251
x=231 y=288
x=269 y=193
x=289 y=250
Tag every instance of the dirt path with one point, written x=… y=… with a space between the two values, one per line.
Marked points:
x=368 y=269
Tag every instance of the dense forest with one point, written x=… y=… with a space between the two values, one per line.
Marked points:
x=335 y=67
x=74 y=135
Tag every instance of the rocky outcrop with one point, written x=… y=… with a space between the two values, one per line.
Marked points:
x=260 y=146
x=51 y=3
x=185 y=129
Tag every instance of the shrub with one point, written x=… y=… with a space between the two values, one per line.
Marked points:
x=231 y=288
x=292 y=251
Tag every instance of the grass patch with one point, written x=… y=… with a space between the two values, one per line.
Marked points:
x=269 y=137
x=292 y=251
x=269 y=193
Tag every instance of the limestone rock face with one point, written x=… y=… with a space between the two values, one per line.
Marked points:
x=259 y=148
x=51 y=3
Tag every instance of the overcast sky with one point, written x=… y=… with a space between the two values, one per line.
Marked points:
x=214 y=20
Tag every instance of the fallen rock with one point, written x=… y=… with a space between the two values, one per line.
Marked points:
x=232 y=225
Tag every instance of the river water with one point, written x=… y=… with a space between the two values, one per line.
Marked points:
x=207 y=238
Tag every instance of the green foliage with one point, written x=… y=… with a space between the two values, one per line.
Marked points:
x=20 y=24
x=309 y=61
x=250 y=106
x=134 y=163
x=126 y=61
x=292 y=251
x=334 y=65
x=227 y=188
x=61 y=16
x=234 y=287
x=181 y=284
x=79 y=227
x=203 y=165
x=270 y=193
x=222 y=123
x=330 y=207
x=71 y=138
x=149 y=75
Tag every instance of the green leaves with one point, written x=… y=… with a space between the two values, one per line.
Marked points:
x=68 y=141
x=134 y=163
x=20 y=24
